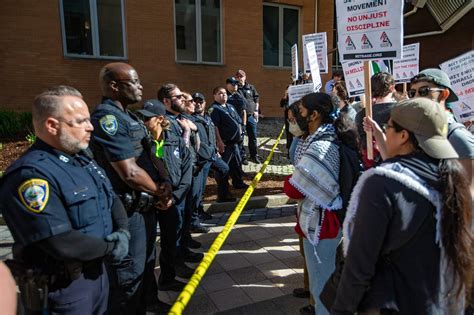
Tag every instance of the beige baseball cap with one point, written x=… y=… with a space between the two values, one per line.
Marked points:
x=429 y=123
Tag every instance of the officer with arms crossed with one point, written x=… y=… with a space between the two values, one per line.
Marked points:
x=61 y=211
x=117 y=143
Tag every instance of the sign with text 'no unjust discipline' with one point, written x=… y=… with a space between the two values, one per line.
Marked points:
x=369 y=29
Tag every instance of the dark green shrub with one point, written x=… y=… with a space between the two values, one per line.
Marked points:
x=15 y=125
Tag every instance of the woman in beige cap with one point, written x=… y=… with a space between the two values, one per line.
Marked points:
x=407 y=234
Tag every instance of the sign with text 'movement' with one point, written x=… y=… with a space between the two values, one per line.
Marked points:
x=320 y=42
x=369 y=29
x=354 y=76
x=406 y=68
x=461 y=74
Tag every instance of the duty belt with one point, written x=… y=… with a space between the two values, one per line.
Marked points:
x=137 y=202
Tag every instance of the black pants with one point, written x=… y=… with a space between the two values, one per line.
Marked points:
x=231 y=156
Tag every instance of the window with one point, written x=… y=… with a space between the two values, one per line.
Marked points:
x=280 y=32
x=93 y=28
x=198 y=31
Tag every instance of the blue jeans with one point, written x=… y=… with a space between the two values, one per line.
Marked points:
x=252 y=135
x=319 y=273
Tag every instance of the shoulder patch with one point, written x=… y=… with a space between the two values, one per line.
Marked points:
x=210 y=110
x=109 y=124
x=34 y=194
x=176 y=153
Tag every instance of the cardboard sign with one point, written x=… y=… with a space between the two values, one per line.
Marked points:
x=406 y=68
x=370 y=29
x=294 y=62
x=296 y=92
x=314 y=65
x=320 y=41
x=354 y=76
x=461 y=73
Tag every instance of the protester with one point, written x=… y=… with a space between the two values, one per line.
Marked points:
x=336 y=76
x=316 y=176
x=62 y=211
x=117 y=142
x=407 y=234
x=383 y=86
x=339 y=91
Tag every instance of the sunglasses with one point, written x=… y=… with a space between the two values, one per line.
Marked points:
x=423 y=91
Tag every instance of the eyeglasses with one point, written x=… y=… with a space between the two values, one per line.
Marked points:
x=423 y=91
x=77 y=123
x=178 y=96
x=387 y=126
x=131 y=81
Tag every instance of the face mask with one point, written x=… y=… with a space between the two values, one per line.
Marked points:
x=295 y=130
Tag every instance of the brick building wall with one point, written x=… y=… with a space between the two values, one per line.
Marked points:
x=32 y=59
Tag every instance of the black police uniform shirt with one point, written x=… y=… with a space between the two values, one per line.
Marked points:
x=227 y=120
x=249 y=92
x=119 y=135
x=47 y=192
x=239 y=103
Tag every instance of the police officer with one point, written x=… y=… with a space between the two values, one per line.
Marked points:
x=61 y=210
x=249 y=92
x=220 y=168
x=240 y=104
x=228 y=133
x=117 y=143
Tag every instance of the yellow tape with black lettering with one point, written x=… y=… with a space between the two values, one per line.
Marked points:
x=188 y=291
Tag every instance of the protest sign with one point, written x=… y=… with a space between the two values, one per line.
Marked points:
x=296 y=92
x=406 y=68
x=354 y=77
x=320 y=41
x=313 y=62
x=294 y=62
x=369 y=29
x=461 y=73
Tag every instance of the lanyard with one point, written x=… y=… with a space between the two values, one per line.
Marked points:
x=159 y=153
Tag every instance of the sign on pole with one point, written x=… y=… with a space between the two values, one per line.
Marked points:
x=369 y=29
x=294 y=62
x=296 y=92
x=461 y=73
x=314 y=65
x=406 y=68
x=320 y=40
x=354 y=77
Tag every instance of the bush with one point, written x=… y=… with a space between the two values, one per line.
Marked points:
x=15 y=125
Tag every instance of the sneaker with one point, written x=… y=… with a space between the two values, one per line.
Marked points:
x=183 y=271
x=192 y=243
x=245 y=162
x=205 y=216
x=199 y=228
x=301 y=293
x=240 y=186
x=193 y=257
x=173 y=285
x=307 y=310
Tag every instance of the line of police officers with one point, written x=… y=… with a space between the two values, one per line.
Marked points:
x=84 y=218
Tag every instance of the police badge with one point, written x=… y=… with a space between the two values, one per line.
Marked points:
x=34 y=194
x=109 y=124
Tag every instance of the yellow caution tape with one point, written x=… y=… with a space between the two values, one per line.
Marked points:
x=188 y=291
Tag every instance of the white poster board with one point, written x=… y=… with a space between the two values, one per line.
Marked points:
x=406 y=68
x=314 y=65
x=369 y=29
x=354 y=77
x=461 y=73
x=320 y=40
x=296 y=92
x=294 y=62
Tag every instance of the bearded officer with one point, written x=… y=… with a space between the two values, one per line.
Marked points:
x=61 y=211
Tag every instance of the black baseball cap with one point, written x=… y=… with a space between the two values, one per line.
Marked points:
x=232 y=80
x=198 y=95
x=154 y=107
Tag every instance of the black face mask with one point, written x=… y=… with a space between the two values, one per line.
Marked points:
x=302 y=123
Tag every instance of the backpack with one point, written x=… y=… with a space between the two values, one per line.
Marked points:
x=349 y=171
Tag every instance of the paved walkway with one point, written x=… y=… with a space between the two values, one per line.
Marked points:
x=256 y=269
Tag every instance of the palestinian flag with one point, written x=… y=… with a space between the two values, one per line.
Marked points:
x=381 y=66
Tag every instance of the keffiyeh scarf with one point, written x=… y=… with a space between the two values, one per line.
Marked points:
x=316 y=176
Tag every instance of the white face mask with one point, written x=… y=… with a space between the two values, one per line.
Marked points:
x=295 y=130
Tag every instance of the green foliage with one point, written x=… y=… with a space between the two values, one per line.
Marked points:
x=14 y=125
x=31 y=138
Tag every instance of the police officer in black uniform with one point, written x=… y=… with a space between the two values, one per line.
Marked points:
x=228 y=133
x=61 y=210
x=240 y=104
x=117 y=143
